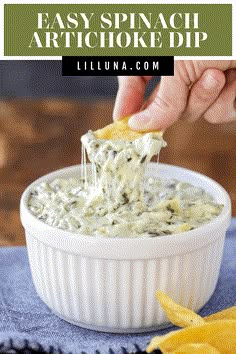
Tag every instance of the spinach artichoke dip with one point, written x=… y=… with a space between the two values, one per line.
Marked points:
x=114 y=198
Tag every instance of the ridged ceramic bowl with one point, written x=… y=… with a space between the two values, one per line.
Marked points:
x=109 y=284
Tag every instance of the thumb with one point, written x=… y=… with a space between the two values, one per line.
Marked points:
x=166 y=106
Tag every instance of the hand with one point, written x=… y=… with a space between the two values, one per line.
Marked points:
x=198 y=89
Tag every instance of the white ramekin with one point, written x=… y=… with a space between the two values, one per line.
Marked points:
x=109 y=284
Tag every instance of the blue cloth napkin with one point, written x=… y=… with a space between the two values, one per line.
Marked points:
x=28 y=326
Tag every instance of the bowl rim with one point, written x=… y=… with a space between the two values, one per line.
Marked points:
x=33 y=221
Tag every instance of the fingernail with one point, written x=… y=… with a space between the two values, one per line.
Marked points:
x=115 y=114
x=117 y=109
x=139 y=122
x=210 y=82
x=232 y=115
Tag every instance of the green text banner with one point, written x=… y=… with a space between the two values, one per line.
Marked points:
x=118 y=30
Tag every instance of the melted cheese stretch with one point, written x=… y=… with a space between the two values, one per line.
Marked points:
x=118 y=168
x=114 y=199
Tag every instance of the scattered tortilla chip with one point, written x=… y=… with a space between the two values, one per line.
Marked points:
x=177 y=314
x=227 y=314
x=196 y=348
x=213 y=334
x=219 y=334
x=155 y=342
x=119 y=130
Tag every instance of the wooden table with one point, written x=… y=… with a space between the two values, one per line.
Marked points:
x=39 y=136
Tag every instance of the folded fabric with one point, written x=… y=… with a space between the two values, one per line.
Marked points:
x=27 y=325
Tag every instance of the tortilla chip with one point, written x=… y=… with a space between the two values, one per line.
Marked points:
x=177 y=314
x=227 y=314
x=196 y=348
x=119 y=130
x=219 y=334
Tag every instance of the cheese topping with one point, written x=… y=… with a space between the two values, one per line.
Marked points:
x=113 y=198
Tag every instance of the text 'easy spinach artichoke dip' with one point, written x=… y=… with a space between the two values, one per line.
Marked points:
x=114 y=198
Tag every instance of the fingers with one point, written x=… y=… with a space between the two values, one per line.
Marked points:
x=151 y=97
x=224 y=109
x=130 y=95
x=209 y=96
x=203 y=93
x=166 y=107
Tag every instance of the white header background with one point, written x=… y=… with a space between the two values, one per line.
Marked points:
x=2 y=57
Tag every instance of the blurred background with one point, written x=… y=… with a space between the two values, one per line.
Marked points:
x=43 y=115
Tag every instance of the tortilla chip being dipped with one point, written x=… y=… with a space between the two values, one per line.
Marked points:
x=120 y=130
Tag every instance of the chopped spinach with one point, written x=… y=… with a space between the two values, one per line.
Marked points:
x=143 y=159
x=126 y=198
x=170 y=209
x=166 y=232
x=154 y=234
